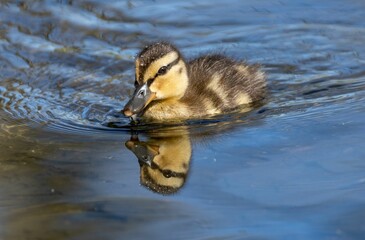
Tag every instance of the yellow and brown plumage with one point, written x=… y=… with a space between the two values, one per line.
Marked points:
x=168 y=88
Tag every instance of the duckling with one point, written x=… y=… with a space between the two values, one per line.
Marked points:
x=169 y=88
x=164 y=161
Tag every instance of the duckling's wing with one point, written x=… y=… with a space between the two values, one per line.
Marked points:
x=223 y=83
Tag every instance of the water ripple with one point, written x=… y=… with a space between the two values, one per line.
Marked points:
x=24 y=102
x=70 y=67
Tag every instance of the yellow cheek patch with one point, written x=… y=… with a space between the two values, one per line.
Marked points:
x=171 y=85
x=156 y=65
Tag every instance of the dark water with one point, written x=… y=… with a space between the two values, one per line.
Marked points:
x=291 y=169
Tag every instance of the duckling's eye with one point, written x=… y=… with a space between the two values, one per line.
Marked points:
x=162 y=70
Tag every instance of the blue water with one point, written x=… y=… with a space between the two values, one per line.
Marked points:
x=291 y=169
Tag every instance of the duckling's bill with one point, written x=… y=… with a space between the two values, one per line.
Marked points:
x=142 y=96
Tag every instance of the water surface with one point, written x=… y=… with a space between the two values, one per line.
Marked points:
x=291 y=169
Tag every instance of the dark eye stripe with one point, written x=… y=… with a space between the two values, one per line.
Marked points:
x=168 y=67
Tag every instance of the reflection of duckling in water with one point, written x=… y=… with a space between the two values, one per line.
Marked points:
x=169 y=88
x=164 y=161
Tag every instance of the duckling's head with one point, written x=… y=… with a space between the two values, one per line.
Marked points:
x=161 y=74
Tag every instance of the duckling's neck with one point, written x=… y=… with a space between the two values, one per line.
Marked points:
x=170 y=109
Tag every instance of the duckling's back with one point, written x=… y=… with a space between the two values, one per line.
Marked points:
x=218 y=84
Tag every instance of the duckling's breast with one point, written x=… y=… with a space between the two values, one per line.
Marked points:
x=168 y=110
